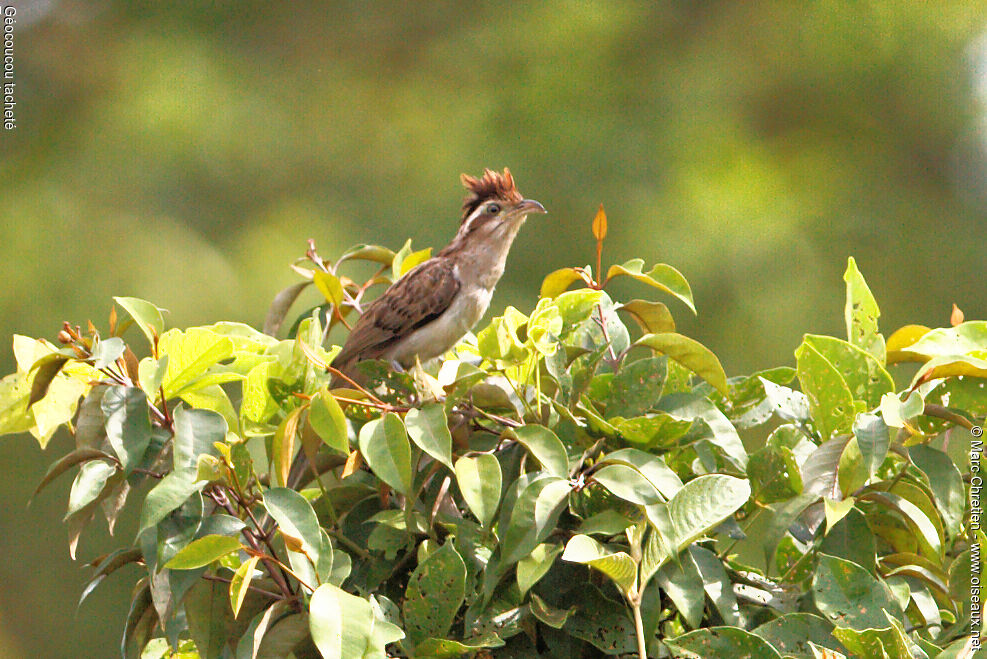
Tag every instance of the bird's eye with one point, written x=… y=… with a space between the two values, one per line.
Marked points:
x=493 y=209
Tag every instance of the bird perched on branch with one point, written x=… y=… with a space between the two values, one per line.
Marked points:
x=429 y=309
x=425 y=312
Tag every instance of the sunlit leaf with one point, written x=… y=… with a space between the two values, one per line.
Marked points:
x=617 y=565
x=690 y=353
x=558 y=281
x=384 y=445
x=861 y=314
x=545 y=446
x=479 y=480
x=146 y=315
x=203 y=551
x=661 y=276
x=653 y=317
x=429 y=429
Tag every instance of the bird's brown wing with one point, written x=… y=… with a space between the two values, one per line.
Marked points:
x=413 y=301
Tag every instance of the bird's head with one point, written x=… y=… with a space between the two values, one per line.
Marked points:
x=493 y=205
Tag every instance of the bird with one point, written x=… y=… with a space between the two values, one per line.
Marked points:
x=428 y=310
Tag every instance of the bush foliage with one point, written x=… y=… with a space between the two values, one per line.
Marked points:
x=577 y=481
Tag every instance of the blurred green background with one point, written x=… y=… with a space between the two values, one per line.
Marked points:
x=184 y=152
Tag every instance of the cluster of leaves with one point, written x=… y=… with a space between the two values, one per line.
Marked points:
x=555 y=488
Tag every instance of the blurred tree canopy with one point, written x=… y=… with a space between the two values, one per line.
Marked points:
x=184 y=152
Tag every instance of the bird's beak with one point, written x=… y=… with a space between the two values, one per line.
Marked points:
x=529 y=206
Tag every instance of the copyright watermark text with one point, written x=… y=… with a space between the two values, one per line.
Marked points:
x=9 y=13
x=976 y=512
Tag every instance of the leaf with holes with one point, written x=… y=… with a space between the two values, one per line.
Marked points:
x=848 y=595
x=434 y=594
x=721 y=643
x=861 y=314
x=830 y=399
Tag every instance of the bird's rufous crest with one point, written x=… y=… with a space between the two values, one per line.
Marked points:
x=492 y=185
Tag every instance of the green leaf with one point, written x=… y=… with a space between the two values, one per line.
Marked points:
x=443 y=648
x=774 y=474
x=896 y=413
x=280 y=305
x=203 y=551
x=534 y=566
x=480 y=482
x=718 y=587
x=791 y=633
x=865 y=376
x=196 y=433
x=329 y=285
x=434 y=594
x=721 y=643
x=533 y=517
x=652 y=317
x=656 y=430
x=545 y=446
x=45 y=371
x=344 y=626
x=690 y=353
x=558 y=281
x=699 y=507
x=89 y=484
x=329 y=422
x=661 y=276
x=128 y=427
x=170 y=492
x=652 y=467
x=636 y=387
x=721 y=433
x=830 y=399
x=848 y=595
x=190 y=354
x=15 y=416
x=851 y=539
x=297 y=520
x=607 y=522
x=207 y=609
x=852 y=471
x=918 y=522
x=429 y=429
x=240 y=583
x=600 y=621
x=66 y=462
x=384 y=444
x=617 y=565
x=861 y=313
x=146 y=315
x=683 y=584
x=945 y=482
x=964 y=339
x=627 y=483
x=889 y=641
x=141 y=620
x=873 y=440
x=788 y=404
x=576 y=306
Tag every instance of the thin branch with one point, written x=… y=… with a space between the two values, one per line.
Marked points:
x=272 y=595
x=943 y=413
